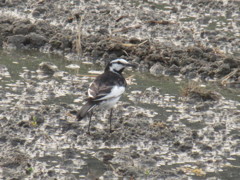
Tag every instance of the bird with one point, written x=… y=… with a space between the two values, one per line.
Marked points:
x=105 y=90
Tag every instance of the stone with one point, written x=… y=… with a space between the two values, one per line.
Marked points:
x=223 y=70
x=17 y=41
x=157 y=69
x=36 y=40
x=173 y=70
x=231 y=62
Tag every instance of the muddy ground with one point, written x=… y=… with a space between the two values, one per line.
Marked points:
x=197 y=137
x=200 y=40
x=190 y=39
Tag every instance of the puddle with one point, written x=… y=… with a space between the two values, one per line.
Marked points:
x=159 y=134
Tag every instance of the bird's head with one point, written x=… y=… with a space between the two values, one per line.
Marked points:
x=118 y=65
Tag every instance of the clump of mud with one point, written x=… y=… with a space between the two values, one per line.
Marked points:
x=195 y=92
x=179 y=38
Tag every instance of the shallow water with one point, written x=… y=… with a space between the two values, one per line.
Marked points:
x=35 y=111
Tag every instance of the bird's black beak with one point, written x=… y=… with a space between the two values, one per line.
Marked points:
x=132 y=65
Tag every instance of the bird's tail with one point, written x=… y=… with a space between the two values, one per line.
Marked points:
x=85 y=109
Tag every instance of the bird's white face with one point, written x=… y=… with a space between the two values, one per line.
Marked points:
x=118 y=64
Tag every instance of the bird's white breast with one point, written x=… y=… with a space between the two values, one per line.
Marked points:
x=116 y=91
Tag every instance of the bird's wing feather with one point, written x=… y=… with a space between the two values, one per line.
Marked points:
x=116 y=91
x=101 y=91
x=97 y=90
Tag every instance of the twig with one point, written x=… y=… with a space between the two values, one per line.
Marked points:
x=228 y=76
x=153 y=22
x=79 y=37
x=121 y=17
x=128 y=28
x=142 y=43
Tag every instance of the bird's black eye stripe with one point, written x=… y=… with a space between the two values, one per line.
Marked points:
x=118 y=62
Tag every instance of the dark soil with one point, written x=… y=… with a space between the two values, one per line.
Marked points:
x=195 y=48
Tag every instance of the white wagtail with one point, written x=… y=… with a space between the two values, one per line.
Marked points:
x=105 y=90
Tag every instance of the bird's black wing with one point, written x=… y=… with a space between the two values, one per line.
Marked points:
x=106 y=86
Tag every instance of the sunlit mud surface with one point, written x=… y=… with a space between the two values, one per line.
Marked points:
x=192 y=39
x=159 y=134
x=185 y=23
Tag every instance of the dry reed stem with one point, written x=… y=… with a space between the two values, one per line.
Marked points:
x=228 y=76
x=79 y=37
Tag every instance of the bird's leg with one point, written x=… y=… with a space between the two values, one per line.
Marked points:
x=90 y=118
x=110 y=120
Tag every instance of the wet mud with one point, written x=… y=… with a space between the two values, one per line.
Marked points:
x=158 y=134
